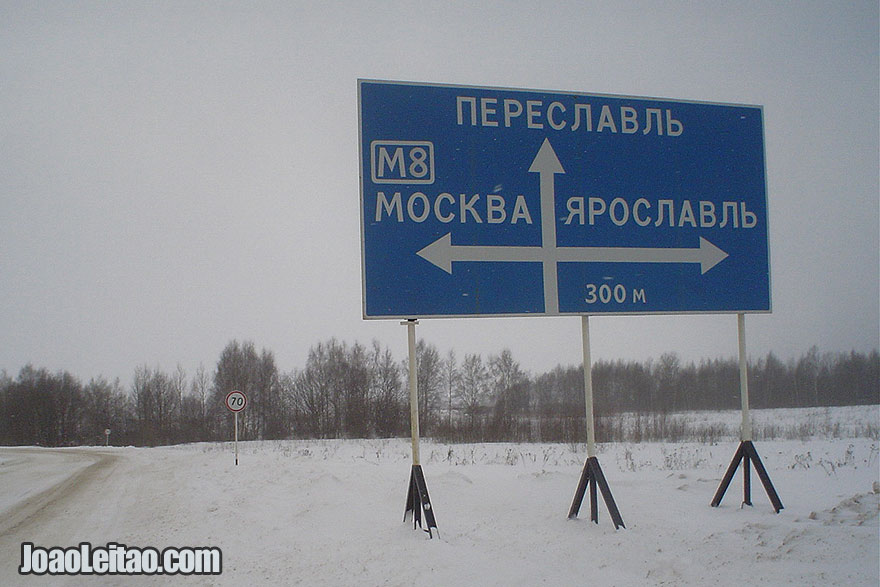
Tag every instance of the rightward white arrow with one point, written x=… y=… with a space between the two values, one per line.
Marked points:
x=443 y=253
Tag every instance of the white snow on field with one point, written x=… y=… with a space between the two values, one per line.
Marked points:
x=330 y=513
x=778 y=423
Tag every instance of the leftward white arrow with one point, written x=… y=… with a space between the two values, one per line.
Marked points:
x=443 y=253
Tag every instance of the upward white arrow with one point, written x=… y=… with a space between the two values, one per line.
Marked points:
x=443 y=253
x=546 y=164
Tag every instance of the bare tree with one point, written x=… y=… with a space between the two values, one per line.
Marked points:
x=314 y=393
x=668 y=374
x=510 y=385
x=241 y=368
x=269 y=411
x=387 y=394
x=156 y=405
x=474 y=387
x=200 y=388
x=193 y=419
x=428 y=380
x=356 y=389
x=104 y=407
x=451 y=378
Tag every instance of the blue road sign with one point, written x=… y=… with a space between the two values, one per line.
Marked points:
x=483 y=201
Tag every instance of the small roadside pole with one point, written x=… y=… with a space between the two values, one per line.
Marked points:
x=417 y=500
x=592 y=475
x=236 y=402
x=106 y=437
x=746 y=452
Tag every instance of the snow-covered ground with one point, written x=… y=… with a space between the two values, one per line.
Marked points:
x=778 y=423
x=330 y=512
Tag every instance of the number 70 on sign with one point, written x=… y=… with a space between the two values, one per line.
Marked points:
x=236 y=401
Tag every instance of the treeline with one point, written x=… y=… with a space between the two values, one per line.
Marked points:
x=357 y=391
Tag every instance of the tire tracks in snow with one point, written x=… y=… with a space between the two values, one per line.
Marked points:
x=36 y=508
x=27 y=517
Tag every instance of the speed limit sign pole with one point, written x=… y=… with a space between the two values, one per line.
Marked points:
x=235 y=402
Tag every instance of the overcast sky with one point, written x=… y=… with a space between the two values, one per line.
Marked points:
x=175 y=175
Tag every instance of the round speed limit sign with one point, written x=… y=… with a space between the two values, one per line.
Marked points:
x=236 y=401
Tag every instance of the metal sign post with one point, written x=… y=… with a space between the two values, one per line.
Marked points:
x=236 y=402
x=746 y=426
x=106 y=437
x=417 y=499
x=413 y=389
x=591 y=475
x=746 y=452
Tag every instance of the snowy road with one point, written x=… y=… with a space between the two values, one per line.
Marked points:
x=329 y=513
x=44 y=495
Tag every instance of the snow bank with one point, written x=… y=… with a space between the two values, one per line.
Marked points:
x=330 y=513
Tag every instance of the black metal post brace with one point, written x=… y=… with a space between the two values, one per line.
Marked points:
x=748 y=455
x=418 y=502
x=592 y=476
